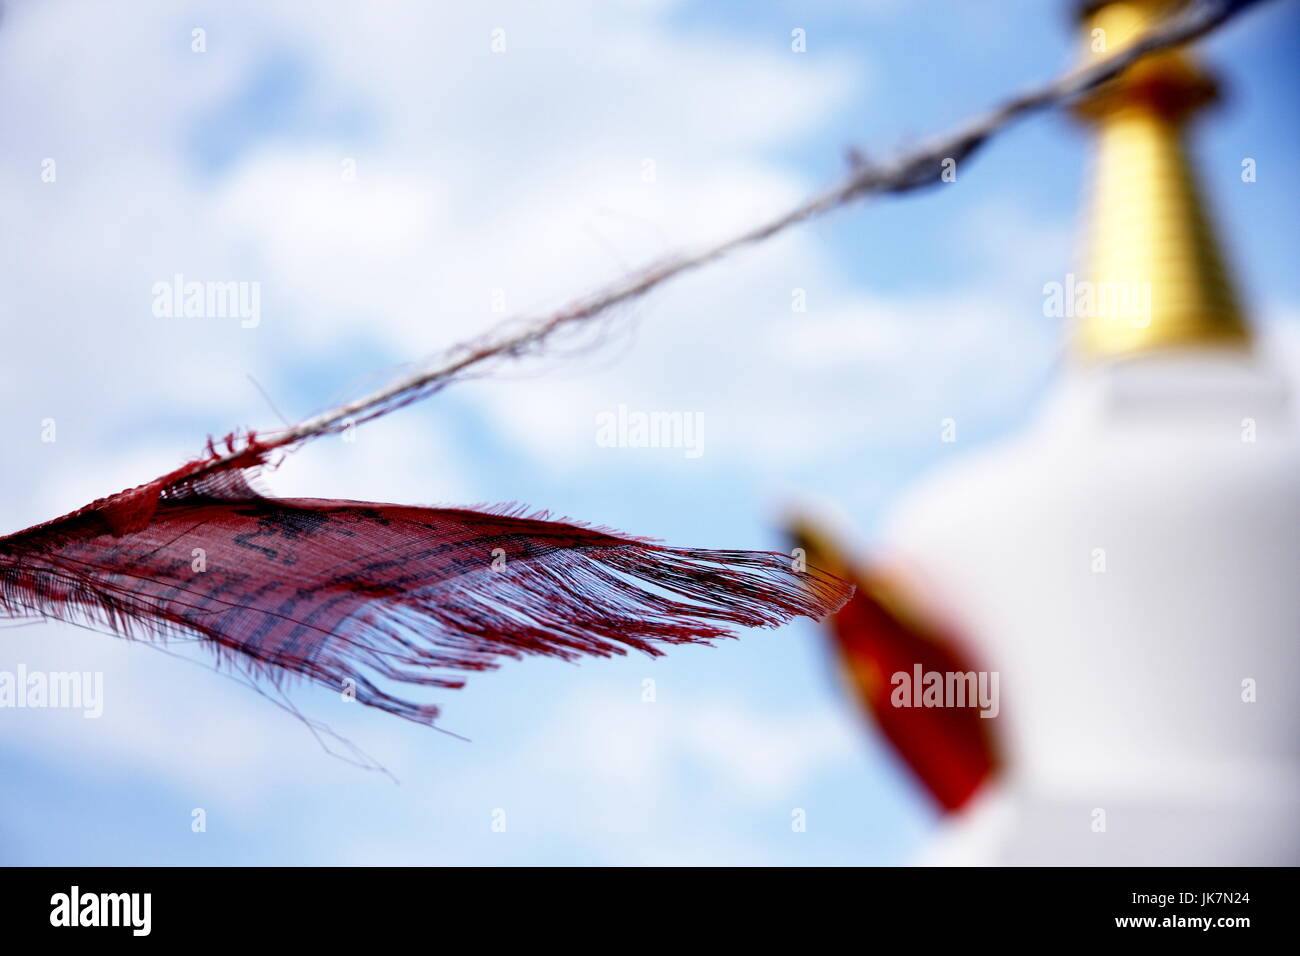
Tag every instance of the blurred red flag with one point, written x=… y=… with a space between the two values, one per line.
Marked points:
x=876 y=636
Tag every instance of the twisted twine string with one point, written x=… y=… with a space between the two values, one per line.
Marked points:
x=910 y=170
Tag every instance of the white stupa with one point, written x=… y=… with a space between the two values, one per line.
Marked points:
x=1131 y=564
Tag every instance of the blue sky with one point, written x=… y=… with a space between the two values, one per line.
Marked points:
x=523 y=172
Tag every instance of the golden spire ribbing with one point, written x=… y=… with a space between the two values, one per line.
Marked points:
x=1154 y=272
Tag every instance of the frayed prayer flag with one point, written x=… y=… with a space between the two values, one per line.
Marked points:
x=355 y=595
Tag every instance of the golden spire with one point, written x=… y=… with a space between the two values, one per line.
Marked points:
x=1154 y=274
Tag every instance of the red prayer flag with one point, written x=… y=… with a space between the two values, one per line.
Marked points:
x=875 y=636
x=344 y=590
